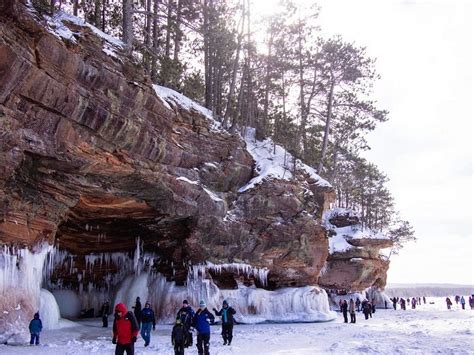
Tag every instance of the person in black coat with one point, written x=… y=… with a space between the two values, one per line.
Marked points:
x=137 y=311
x=186 y=314
x=104 y=312
x=178 y=337
x=227 y=314
x=344 y=307
x=367 y=309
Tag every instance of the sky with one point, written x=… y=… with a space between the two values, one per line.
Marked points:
x=424 y=55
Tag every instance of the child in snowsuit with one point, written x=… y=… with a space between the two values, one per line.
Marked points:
x=227 y=314
x=178 y=337
x=125 y=330
x=36 y=326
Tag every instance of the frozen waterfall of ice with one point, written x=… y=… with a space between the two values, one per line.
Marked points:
x=253 y=305
x=68 y=302
x=48 y=310
x=21 y=273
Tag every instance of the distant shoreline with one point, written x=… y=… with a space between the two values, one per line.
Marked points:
x=430 y=290
x=430 y=285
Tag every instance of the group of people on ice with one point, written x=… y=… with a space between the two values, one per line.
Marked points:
x=460 y=300
x=414 y=301
x=127 y=325
x=367 y=307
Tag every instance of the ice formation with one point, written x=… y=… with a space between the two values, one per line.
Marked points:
x=48 y=310
x=253 y=305
x=68 y=302
x=20 y=282
x=242 y=269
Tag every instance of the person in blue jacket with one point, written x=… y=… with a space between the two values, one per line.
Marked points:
x=148 y=320
x=36 y=326
x=202 y=321
x=227 y=314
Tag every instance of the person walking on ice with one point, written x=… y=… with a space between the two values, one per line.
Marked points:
x=125 y=330
x=448 y=302
x=202 y=320
x=227 y=314
x=137 y=311
x=148 y=321
x=36 y=326
x=104 y=312
x=463 y=302
x=352 y=310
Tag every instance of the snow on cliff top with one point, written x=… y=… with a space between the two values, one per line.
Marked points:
x=56 y=25
x=338 y=242
x=274 y=165
x=170 y=96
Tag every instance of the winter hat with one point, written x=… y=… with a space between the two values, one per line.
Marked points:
x=225 y=303
x=185 y=302
x=202 y=304
x=121 y=308
x=37 y=315
x=178 y=321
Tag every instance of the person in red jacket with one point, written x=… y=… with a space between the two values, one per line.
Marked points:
x=125 y=330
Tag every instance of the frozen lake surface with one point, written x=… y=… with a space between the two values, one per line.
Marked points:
x=430 y=329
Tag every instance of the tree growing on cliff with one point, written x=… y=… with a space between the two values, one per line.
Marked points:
x=400 y=234
x=346 y=76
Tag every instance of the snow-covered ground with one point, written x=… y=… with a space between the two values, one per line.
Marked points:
x=429 y=329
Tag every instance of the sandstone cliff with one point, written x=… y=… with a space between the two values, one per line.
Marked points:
x=95 y=160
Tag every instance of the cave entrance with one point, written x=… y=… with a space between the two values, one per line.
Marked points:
x=104 y=238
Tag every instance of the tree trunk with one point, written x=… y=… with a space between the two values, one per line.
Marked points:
x=302 y=127
x=249 y=76
x=234 y=69
x=127 y=25
x=328 y=124
x=334 y=162
x=169 y=25
x=154 y=68
x=177 y=34
x=146 y=36
x=207 y=57
x=103 y=15
x=75 y=7
x=267 y=82
x=97 y=16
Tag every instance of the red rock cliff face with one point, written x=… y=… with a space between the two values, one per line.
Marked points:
x=91 y=158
